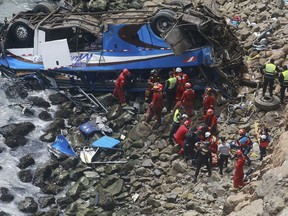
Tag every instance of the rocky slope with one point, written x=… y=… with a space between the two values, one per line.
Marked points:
x=156 y=181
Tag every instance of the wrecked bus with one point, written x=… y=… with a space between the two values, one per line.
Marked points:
x=88 y=49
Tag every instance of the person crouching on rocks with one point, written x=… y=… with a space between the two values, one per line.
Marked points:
x=203 y=156
x=179 y=136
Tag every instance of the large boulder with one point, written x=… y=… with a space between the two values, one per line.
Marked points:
x=42 y=174
x=25 y=175
x=58 y=98
x=140 y=131
x=39 y=102
x=45 y=116
x=28 y=205
x=17 y=90
x=26 y=161
x=15 y=141
x=5 y=195
x=14 y=129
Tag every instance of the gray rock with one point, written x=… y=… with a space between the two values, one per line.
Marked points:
x=58 y=98
x=146 y=211
x=108 y=180
x=191 y=213
x=140 y=131
x=178 y=167
x=15 y=141
x=21 y=129
x=75 y=190
x=5 y=195
x=153 y=202
x=171 y=198
x=41 y=175
x=116 y=187
x=25 y=175
x=16 y=90
x=45 y=116
x=28 y=205
x=2 y=213
x=39 y=102
x=51 y=188
x=107 y=100
x=26 y=161
x=46 y=201
x=106 y=201
x=148 y=163
x=64 y=201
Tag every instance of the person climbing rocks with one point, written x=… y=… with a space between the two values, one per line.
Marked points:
x=208 y=100
x=270 y=73
x=188 y=98
x=203 y=157
x=182 y=78
x=153 y=80
x=211 y=121
x=191 y=138
x=283 y=79
x=245 y=144
x=224 y=153
x=238 y=177
x=179 y=136
x=120 y=86
x=178 y=115
x=170 y=91
x=156 y=105
x=264 y=143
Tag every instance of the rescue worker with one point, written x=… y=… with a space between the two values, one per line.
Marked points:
x=283 y=79
x=238 y=177
x=245 y=144
x=120 y=86
x=269 y=74
x=191 y=138
x=224 y=153
x=211 y=121
x=264 y=142
x=213 y=146
x=201 y=130
x=208 y=100
x=157 y=104
x=182 y=78
x=179 y=136
x=203 y=156
x=170 y=91
x=177 y=117
x=153 y=79
x=188 y=98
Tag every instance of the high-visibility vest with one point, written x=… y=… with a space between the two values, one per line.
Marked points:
x=172 y=81
x=176 y=117
x=270 y=69
x=285 y=75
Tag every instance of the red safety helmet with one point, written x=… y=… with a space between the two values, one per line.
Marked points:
x=126 y=72
x=241 y=132
x=187 y=123
x=210 y=112
x=188 y=85
x=239 y=153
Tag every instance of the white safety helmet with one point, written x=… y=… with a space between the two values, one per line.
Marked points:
x=178 y=70
x=207 y=134
x=263 y=137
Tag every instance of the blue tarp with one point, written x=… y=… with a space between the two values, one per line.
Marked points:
x=62 y=145
x=105 y=142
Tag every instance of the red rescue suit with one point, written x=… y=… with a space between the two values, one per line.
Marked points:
x=208 y=102
x=149 y=91
x=213 y=144
x=179 y=137
x=120 y=88
x=187 y=100
x=211 y=122
x=182 y=78
x=155 y=107
x=239 y=172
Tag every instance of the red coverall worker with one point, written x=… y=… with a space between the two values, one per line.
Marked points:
x=208 y=100
x=188 y=98
x=211 y=121
x=120 y=86
x=182 y=78
x=153 y=79
x=179 y=136
x=239 y=170
x=156 y=106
